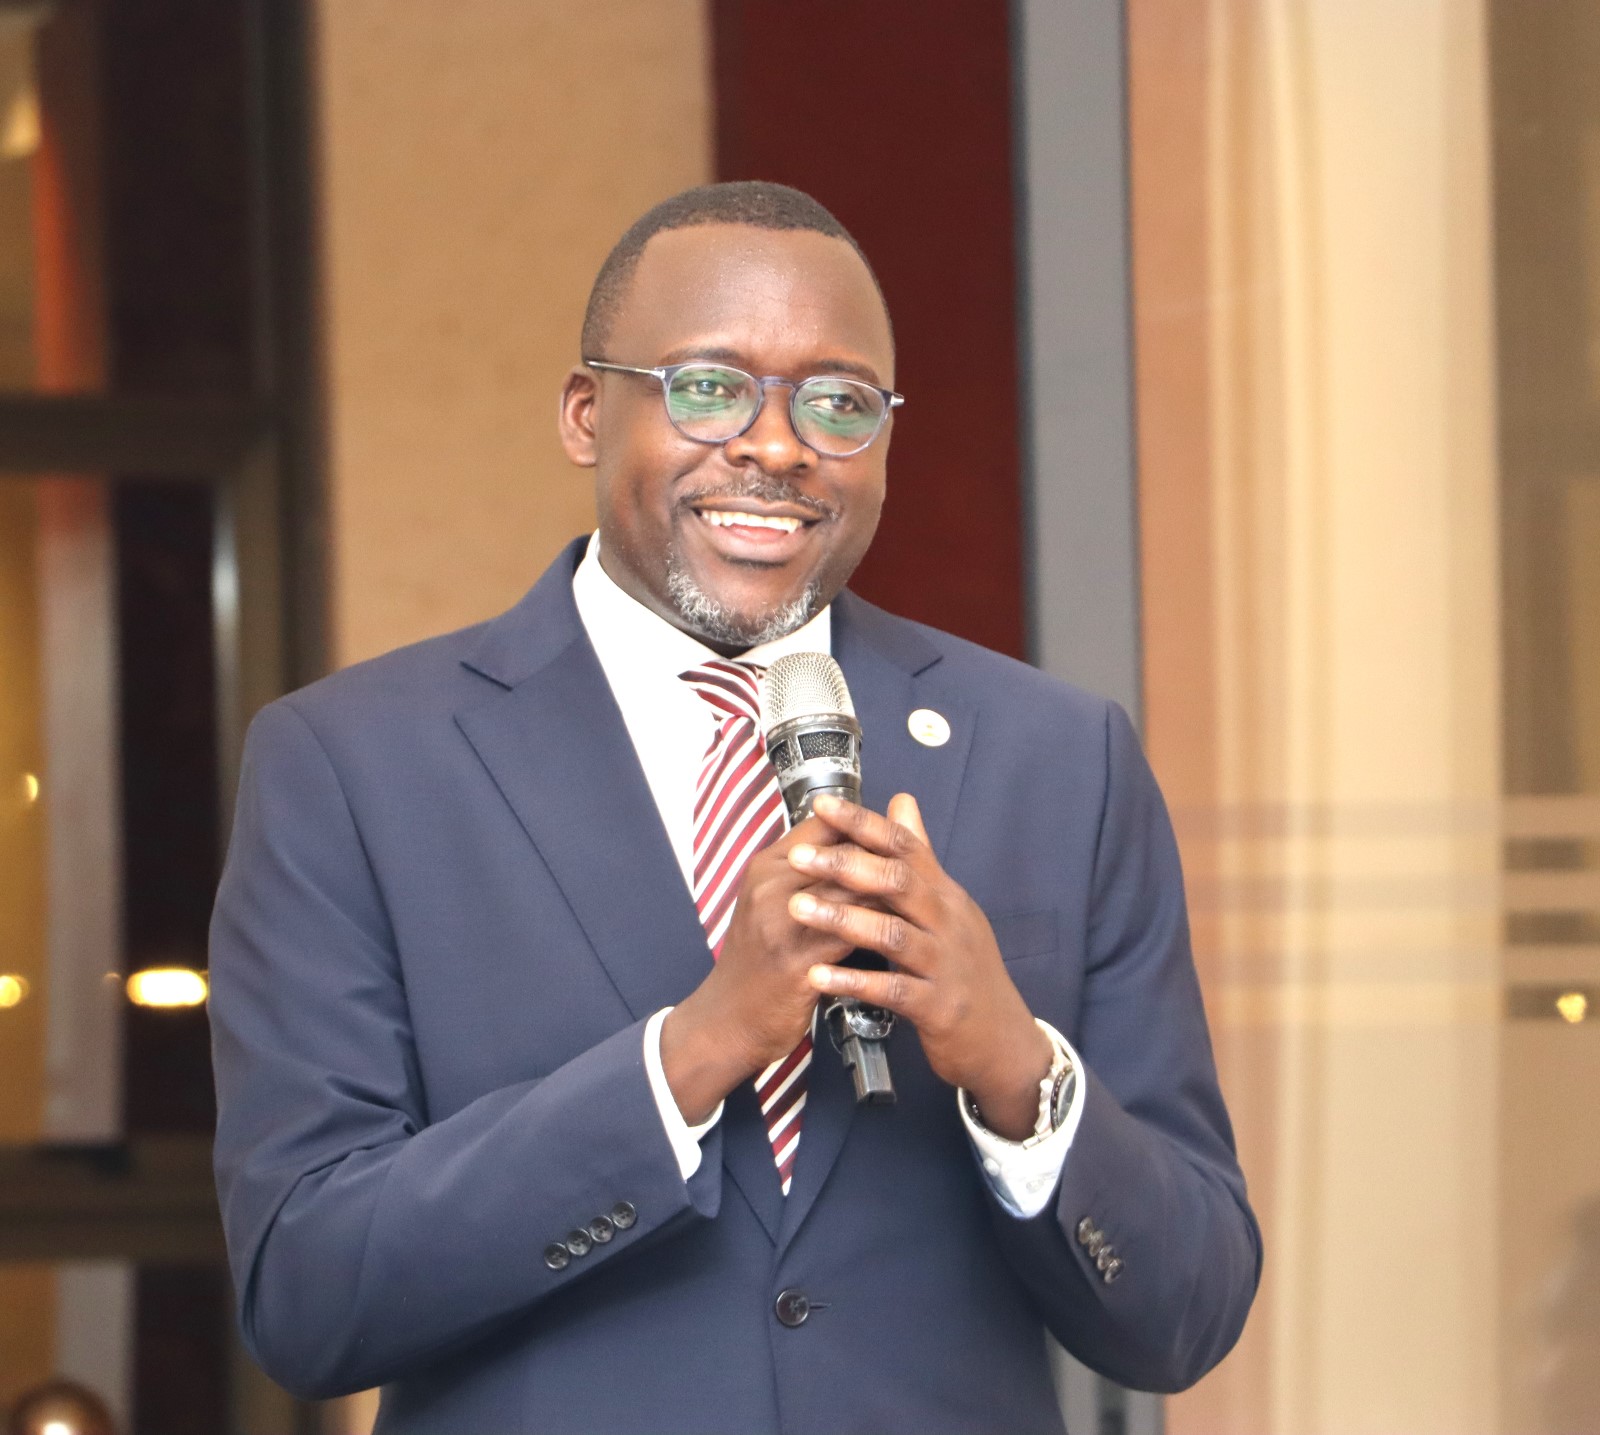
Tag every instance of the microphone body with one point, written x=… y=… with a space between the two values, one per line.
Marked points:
x=814 y=742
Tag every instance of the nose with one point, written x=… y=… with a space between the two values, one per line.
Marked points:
x=771 y=442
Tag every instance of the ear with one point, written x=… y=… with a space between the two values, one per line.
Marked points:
x=576 y=417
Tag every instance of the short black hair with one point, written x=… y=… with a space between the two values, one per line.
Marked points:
x=756 y=202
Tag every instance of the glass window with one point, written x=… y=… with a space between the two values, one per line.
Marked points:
x=1367 y=241
x=141 y=548
x=19 y=141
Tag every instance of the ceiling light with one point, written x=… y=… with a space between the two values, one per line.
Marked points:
x=13 y=990
x=168 y=987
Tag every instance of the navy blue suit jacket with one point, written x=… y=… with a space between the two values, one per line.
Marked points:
x=449 y=907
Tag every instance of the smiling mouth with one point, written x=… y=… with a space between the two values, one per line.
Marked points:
x=745 y=536
x=732 y=518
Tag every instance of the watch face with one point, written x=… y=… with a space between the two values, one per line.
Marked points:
x=1062 y=1101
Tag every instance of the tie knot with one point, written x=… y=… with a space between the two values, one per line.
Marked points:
x=732 y=689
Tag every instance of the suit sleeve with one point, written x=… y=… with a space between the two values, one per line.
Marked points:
x=1152 y=1173
x=363 y=1237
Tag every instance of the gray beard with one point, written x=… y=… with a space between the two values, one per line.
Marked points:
x=704 y=616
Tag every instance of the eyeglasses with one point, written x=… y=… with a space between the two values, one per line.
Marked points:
x=712 y=403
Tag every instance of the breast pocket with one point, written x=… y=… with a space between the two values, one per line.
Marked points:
x=1022 y=935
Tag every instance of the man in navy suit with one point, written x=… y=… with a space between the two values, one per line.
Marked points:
x=488 y=1135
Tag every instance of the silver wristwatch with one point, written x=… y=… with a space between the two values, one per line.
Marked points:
x=1055 y=1091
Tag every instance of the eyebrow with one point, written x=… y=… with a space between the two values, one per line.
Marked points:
x=849 y=367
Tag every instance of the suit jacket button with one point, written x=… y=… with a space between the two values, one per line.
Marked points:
x=1104 y=1256
x=602 y=1229
x=1086 y=1231
x=793 y=1308
x=1113 y=1269
x=578 y=1243
x=623 y=1215
x=556 y=1256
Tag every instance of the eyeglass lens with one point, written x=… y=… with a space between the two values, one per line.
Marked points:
x=832 y=415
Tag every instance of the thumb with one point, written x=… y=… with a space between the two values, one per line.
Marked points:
x=904 y=810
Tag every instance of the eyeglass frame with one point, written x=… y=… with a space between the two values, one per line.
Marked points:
x=666 y=372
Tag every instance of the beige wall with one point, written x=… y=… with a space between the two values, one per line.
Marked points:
x=478 y=160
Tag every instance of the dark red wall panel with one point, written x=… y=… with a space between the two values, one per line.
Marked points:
x=896 y=114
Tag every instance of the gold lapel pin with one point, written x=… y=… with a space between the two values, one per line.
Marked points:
x=928 y=727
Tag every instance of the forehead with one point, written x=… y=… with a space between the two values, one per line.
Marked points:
x=778 y=299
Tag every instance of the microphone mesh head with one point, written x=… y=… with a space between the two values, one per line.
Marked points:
x=802 y=684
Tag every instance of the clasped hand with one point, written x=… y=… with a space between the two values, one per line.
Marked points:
x=847 y=878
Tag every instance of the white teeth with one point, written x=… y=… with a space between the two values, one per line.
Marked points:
x=719 y=518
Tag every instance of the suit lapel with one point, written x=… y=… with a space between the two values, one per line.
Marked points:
x=557 y=748
x=885 y=663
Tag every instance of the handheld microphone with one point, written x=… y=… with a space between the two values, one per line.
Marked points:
x=814 y=742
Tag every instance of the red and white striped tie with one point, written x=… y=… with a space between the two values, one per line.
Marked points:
x=738 y=810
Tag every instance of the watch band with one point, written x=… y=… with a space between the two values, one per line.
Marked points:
x=1055 y=1090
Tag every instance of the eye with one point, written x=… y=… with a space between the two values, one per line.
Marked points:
x=839 y=407
x=831 y=398
x=840 y=402
x=706 y=387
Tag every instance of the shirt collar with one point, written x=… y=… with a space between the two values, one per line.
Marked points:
x=622 y=629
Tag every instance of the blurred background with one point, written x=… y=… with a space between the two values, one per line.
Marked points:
x=1253 y=359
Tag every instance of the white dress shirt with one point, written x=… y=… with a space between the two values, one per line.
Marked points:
x=671 y=727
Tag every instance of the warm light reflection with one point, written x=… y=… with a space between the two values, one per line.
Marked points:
x=60 y=1407
x=13 y=990
x=1573 y=1006
x=30 y=788
x=19 y=137
x=167 y=987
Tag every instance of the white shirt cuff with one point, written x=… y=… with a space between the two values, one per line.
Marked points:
x=1024 y=1178
x=685 y=1138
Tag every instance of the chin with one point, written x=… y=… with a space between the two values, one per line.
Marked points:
x=739 y=626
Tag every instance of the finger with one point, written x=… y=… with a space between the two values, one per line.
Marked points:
x=904 y=810
x=772 y=860
x=887 y=933
x=833 y=892
x=813 y=832
x=867 y=828
x=892 y=879
x=898 y=991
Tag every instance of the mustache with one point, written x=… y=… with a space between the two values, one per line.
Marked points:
x=761 y=490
